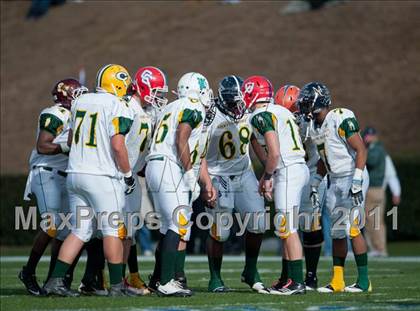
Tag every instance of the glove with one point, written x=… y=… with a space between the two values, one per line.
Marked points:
x=356 y=188
x=314 y=195
x=191 y=182
x=130 y=183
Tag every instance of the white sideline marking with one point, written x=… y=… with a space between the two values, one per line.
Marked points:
x=239 y=258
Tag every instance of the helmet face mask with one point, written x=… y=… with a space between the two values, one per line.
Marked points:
x=67 y=90
x=313 y=98
x=230 y=99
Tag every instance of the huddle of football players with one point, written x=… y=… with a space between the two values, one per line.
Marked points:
x=92 y=146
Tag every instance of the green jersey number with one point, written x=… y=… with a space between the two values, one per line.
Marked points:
x=227 y=147
x=144 y=128
x=80 y=115
x=163 y=129
x=293 y=128
x=323 y=153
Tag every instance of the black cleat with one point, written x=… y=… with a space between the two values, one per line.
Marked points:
x=311 y=281
x=56 y=286
x=153 y=283
x=290 y=288
x=92 y=290
x=30 y=282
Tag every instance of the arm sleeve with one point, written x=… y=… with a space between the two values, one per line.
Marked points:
x=121 y=120
x=50 y=123
x=191 y=116
x=391 y=177
x=264 y=122
x=348 y=127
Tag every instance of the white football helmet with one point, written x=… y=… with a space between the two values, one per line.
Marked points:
x=195 y=86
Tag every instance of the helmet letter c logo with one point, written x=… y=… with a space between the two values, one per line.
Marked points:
x=146 y=76
x=249 y=87
x=123 y=76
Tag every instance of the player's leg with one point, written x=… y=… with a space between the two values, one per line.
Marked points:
x=164 y=179
x=339 y=238
x=359 y=245
x=251 y=207
x=219 y=232
x=312 y=235
x=288 y=185
x=47 y=189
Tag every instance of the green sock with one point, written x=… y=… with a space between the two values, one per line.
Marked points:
x=169 y=251
x=215 y=266
x=180 y=263
x=296 y=270
x=339 y=261
x=284 y=270
x=124 y=268
x=115 y=272
x=362 y=269
x=250 y=270
x=60 y=269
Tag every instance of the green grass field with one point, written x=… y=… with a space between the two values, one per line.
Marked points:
x=395 y=287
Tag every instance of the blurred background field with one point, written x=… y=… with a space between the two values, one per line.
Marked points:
x=367 y=52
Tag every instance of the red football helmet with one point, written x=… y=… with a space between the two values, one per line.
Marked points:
x=256 y=89
x=150 y=84
x=66 y=90
x=286 y=96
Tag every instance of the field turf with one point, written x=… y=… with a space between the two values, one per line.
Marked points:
x=395 y=287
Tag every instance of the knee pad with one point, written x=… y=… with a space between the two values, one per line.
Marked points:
x=354 y=230
x=219 y=234
x=285 y=228
x=313 y=239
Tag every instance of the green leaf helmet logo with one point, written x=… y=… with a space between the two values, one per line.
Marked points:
x=202 y=83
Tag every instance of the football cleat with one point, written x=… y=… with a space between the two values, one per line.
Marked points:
x=138 y=283
x=119 y=290
x=290 y=288
x=260 y=288
x=153 y=283
x=56 y=286
x=173 y=288
x=217 y=286
x=133 y=291
x=329 y=289
x=256 y=284
x=356 y=288
x=30 y=282
x=276 y=286
x=92 y=290
x=311 y=281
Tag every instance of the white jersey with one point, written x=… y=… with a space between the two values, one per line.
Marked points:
x=164 y=138
x=203 y=147
x=279 y=119
x=96 y=117
x=139 y=137
x=331 y=140
x=55 y=120
x=228 y=150
x=312 y=156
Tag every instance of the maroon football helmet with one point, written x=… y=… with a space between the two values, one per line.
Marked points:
x=66 y=90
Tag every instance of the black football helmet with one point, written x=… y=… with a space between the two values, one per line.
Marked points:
x=230 y=100
x=312 y=98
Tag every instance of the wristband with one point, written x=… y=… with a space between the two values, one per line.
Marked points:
x=316 y=180
x=358 y=174
x=64 y=147
x=128 y=174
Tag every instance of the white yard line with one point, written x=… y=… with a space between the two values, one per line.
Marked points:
x=240 y=258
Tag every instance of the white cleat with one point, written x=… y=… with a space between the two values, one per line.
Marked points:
x=173 y=288
x=328 y=289
x=355 y=288
x=260 y=288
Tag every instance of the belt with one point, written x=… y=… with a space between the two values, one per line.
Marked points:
x=157 y=159
x=50 y=169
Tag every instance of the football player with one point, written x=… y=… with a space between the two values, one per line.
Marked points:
x=343 y=156
x=47 y=177
x=148 y=92
x=98 y=162
x=285 y=172
x=310 y=227
x=171 y=178
x=230 y=170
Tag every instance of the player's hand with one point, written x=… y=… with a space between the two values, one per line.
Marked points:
x=209 y=196
x=266 y=188
x=396 y=200
x=356 y=192
x=314 y=196
x=130 y=184
x=191 y=183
